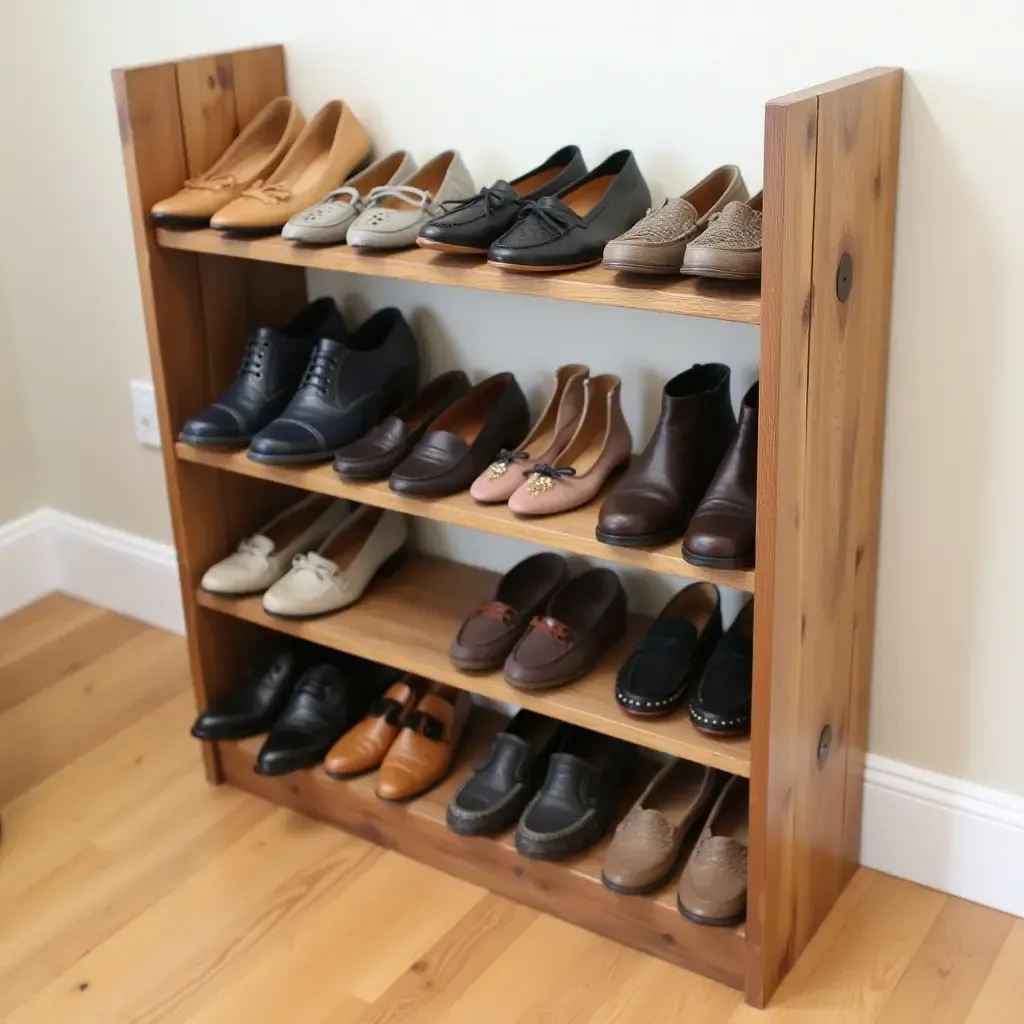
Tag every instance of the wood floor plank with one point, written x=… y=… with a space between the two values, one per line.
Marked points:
x=43 y=624
x=1001 y=1000
x=950 y=967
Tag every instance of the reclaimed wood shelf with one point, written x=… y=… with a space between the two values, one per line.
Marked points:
x=688 y=296
x=830 y=172
x=409 y=619
x=572 y=531
x=570 y=889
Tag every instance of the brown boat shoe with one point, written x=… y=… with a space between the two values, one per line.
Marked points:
x=730 y=248
x=713 y=886
x=657 y=244
x=647 y=843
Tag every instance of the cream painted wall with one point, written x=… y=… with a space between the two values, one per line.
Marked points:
x=19 y=492
x=684 y=86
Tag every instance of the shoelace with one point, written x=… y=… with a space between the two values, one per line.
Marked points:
x=557 y=218
x=491 y=197
x=269 y=194
x=252 y=359
x=406 y=193
x=214 y=183
x=506 y=458
x=319 y=372
x=542 y=469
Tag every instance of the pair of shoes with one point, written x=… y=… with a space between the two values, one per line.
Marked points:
x=580 y=440
x=650 y=841
x=685 y=650
x=317 y=556
x=306 y=390
x=410 y=734
x=442 y=438
x=303 y=697
x=543 y=627
x=697 y=473
x=277 y=166
x=686 y=230
x=387 y=205
x=556 y=217
x=569 y=811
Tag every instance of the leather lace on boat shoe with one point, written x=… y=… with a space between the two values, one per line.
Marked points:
x=470 y=225
x=648 y=842
x=271 y=369
x=655 y=499
x=669 y=658
x=487 y=636
x=730 y=247
x=363 y=747
x=658 y=243
x=348 y=386
x=464 y=439
x=713 y=886
x=577 y=802
x=328 y=699
x=571 y=229
x=721 y=534
x=374 y=456
x=253 y=705
x=423 y=753
x=500 y=786
x=722 y=701
x=585 y=617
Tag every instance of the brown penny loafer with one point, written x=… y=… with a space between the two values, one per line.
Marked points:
x=363 y=747
x=721 y=532
x=647 y=843
x=464 y=439
x=583 y=619
x=487 y=636
x=423 y=752
x=730 y=248
x=713 y=886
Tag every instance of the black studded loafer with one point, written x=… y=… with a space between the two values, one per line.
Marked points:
x=721 y=703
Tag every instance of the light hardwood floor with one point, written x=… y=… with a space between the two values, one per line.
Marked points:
x=133 y=893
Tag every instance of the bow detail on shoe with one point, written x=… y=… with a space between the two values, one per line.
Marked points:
x=544 y=476
x=499 y=467
x=322 y=568
x=214 y=183
x=551 y=212
x=492 y=197
x=269 y=194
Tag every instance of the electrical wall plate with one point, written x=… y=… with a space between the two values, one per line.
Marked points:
x=147 y=426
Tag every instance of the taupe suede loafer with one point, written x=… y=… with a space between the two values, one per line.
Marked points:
x=730 y=247
x=658 y=243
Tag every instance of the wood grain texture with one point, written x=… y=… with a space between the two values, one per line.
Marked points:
x=130 y=890
x=409 y=619
x=823 y=374
x=686 y=296
x=571 y=531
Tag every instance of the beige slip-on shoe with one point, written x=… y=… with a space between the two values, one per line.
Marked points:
x=600 y=446
x=266 y=556
x=328 y=222
x=259 y=148
x=549 y=435
x=339 y=571
x=327 y=151
x=730 y=247
x=657 y=244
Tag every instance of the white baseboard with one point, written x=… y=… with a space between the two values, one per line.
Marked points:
x=942 y=832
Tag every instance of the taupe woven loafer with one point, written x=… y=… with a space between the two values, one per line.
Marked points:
x=731 y=245
x=657 y=244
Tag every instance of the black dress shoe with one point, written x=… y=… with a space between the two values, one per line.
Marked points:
x=469 y=226
x=571 y=229
x=578 y=800
x=271 y=370
x=493 y=797
x=721 y=705
x=329 y=698
x=374 y=457
x=252 y=707
x=348 y=387
x=654 y=679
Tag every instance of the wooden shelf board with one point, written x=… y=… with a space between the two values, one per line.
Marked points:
x=687 y=296
x=570 y=889
x=571 y=531
x=408 y=620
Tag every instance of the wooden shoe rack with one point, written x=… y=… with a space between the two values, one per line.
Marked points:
x=830 y=191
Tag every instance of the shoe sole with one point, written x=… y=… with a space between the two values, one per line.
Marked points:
x=476 y=666
x=572 y=845
x=290 y=460
x=253 y=232
x=237 y=444
x=448 y=247
x=524 y=268
x=485 y=826
x=163 y=220
x=642 y=540
x=706 y=562
x=712 y=922
x=635 y=267
x=724 y=266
